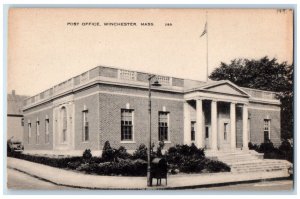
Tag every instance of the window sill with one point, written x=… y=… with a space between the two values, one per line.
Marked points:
x=167 y=142
x=85 y=142
x=127 y=142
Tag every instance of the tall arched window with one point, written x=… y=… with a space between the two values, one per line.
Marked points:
x=64 y=124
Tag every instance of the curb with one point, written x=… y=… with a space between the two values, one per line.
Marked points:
x=153 y=187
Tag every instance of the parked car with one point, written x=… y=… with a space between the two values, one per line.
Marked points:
x=16 y=146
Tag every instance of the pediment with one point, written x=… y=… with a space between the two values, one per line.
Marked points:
x=225 y=87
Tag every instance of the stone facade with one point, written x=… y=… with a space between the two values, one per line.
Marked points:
x=228 y=116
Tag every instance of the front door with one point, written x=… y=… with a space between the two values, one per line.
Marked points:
x=224 y=134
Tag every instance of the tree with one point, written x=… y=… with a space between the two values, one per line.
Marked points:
x=265 y=74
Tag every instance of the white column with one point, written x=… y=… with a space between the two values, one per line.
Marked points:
x=214 y=136
x=199 y=123
x=233 y=126
x=187 y=123
x=245 y=127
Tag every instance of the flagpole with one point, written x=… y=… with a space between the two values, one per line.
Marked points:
x=206 y=48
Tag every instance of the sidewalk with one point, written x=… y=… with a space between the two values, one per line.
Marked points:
x=180 y=181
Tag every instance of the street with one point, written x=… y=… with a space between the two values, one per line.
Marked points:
x=278 y=185
x=20 y=181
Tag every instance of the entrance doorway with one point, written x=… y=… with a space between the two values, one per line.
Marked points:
x=224 y=134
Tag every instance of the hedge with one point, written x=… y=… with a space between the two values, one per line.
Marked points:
x=180 y=158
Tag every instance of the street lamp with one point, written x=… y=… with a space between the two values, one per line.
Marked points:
x=156 y=83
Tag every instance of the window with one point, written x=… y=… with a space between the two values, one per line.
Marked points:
x=126 y=124
x=29 y=132
x=225 y=131
x=193 y=130
x=47 y=131
x=85 y=125
x=37 y=132
x=267 y=123
x=163 y=121
x=64 y=124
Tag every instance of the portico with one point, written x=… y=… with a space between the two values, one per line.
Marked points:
x=212 y=110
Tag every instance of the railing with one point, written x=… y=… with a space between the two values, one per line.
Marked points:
x=164 y=80
x=260 y=94
x=57 y=89
x=127 y=75
x=86 y=77
x=63 y=86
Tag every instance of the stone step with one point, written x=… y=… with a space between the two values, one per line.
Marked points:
x=260 y=166
x=238 y=159
x=250 y=161
x=258 y=170
x=257 y=165
x=237 y=156
x=261 y=162
x=242 y=160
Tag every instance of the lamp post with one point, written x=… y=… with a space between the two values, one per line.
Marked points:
x=156 y=83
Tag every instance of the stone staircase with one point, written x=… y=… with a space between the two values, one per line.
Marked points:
x=249 y=161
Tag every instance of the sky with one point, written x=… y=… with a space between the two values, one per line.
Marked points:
x=46 y=48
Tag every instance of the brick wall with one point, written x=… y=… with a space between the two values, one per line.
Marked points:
x=110 y=119
x=92 y=105
x=257 y=125
x=30 y=144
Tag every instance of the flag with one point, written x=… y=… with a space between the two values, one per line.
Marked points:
x=205 y=30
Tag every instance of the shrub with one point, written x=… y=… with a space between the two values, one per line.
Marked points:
x=59 y=162
x=83 y=167
x=74 y=165
x=217 y=166
x=87 y=155
x=190 y=159
x=126 y=167
x=191 y=166
x=253 y=146
x=285 y=146
x=122 y=153
x=266 y=147
x=108 y=152
x=140 y=152
x=286 y=150
x=178 y=154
